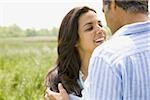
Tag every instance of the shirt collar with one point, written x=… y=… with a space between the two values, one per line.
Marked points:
x=133 y=27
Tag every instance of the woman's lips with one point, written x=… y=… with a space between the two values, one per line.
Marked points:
x=99 y=40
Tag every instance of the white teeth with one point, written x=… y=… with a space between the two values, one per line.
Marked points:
x=99 y=40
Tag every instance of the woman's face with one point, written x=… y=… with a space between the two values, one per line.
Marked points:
x=90 y=32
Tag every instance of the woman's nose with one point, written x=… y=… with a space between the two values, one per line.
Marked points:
x=99 y=30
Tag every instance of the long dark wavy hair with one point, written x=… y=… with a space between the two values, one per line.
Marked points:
x=68 y=62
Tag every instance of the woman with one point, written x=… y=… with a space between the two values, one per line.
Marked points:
x=80 y=32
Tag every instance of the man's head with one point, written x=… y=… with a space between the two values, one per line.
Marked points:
x=120 y=12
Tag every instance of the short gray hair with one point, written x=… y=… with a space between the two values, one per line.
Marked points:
x=131 y=5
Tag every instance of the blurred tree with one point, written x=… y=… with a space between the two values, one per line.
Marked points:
x=54 y=31
x=11 y=31
x=30 y=32
x=15 y=31
x=43 y=32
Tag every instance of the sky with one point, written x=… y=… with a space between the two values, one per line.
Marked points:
x=41 y=13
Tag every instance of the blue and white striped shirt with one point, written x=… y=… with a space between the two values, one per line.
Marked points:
x=120 y=68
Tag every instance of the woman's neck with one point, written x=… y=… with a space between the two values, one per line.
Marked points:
x=85 y=63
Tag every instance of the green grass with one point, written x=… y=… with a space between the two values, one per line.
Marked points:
x=23 y=66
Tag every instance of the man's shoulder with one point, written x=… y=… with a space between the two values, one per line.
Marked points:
x=114 y=48
x=115 y=44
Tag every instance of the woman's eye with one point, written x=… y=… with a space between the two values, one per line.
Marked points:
x=89 y=29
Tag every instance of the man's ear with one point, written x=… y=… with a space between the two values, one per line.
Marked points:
x=113 y=5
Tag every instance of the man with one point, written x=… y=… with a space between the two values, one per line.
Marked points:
x=120 y=68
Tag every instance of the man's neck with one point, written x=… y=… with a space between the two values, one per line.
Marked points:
x=129 y=18
x=134 y=18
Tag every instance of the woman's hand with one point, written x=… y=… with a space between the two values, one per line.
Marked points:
x=62 y=95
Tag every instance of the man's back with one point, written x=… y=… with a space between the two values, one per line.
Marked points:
x=126 y=65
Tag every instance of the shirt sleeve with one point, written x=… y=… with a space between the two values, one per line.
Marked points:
x=102 y=82
x=73 y=97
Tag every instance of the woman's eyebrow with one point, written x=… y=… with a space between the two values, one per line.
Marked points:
x=87 y=23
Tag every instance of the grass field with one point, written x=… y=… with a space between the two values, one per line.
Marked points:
x=24 y=63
